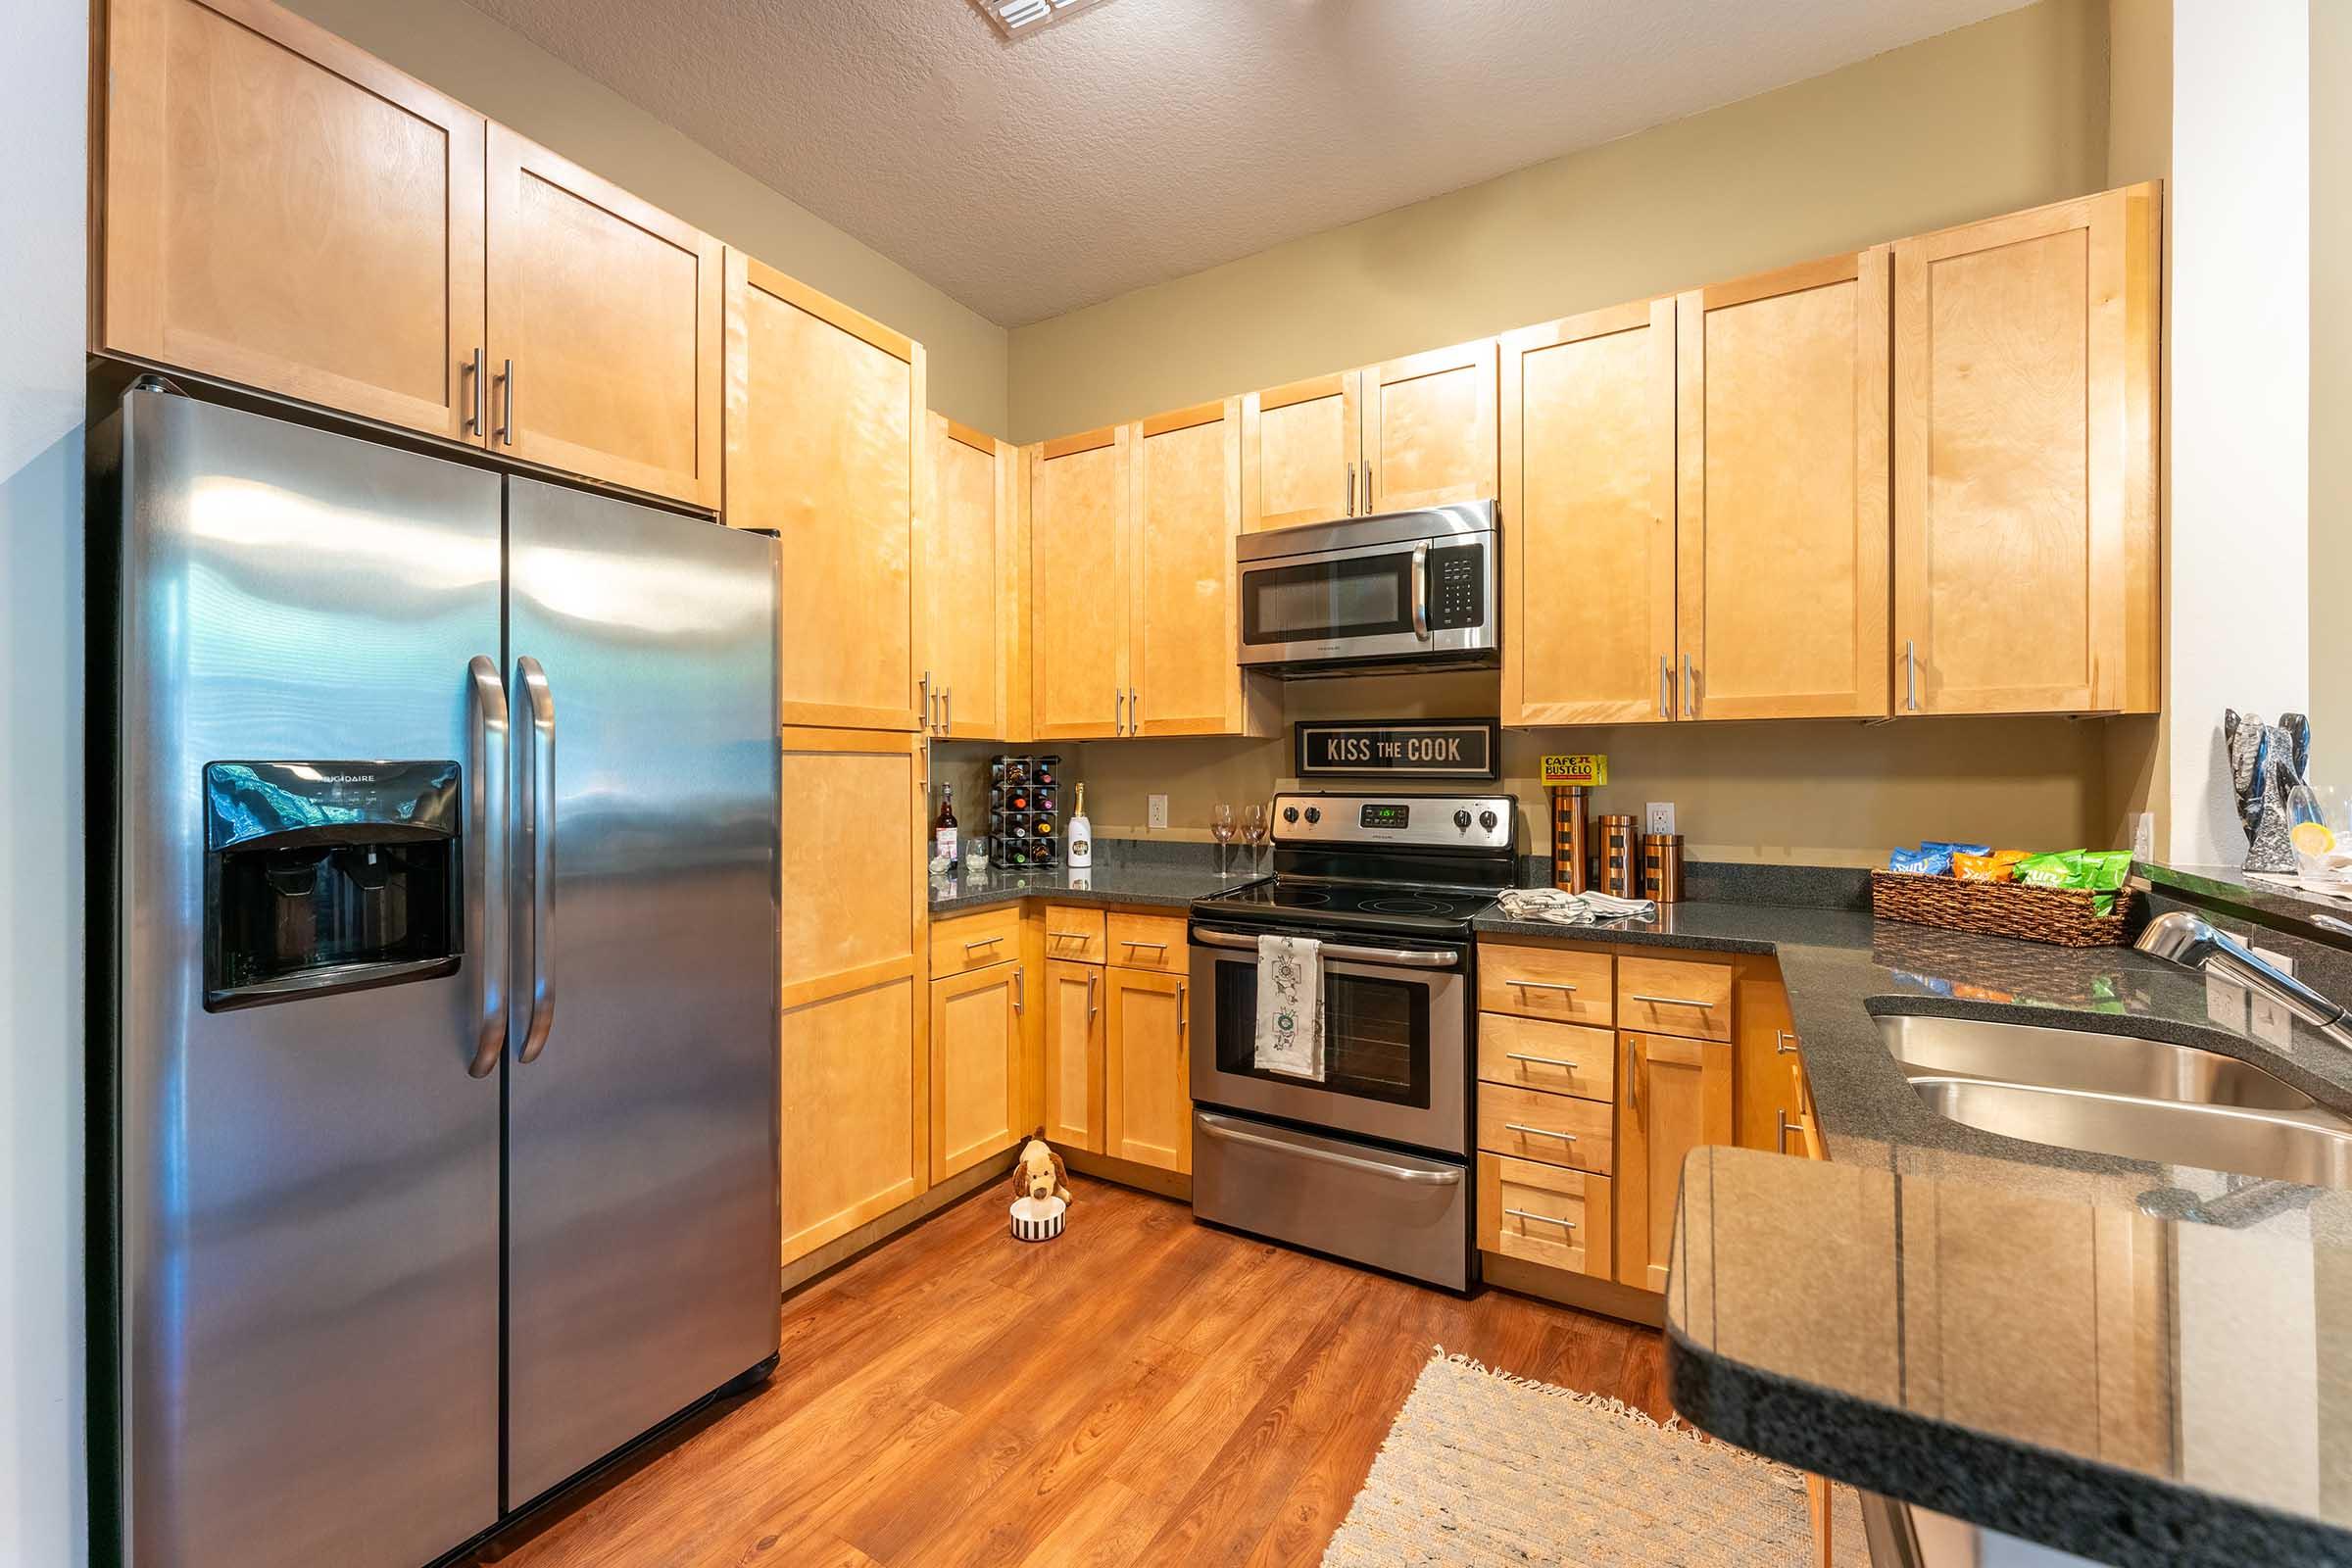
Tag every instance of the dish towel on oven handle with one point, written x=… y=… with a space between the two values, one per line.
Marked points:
x=1290 y=1007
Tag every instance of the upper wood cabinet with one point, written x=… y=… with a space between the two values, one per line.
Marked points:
x=1588 y=519
x=1147 y=1094
x=1302 y=451
x=1429 y=428
x=976 y=621
x=604 y=327
x=1184 y=606
x=1782 y=526
x=1675 y=1095
x=975 y=1065
x=825 y=437
x=282 y=209
x=2025 y=427
x=1081 y=491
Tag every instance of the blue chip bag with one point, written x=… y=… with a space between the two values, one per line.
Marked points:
x=1955 y=849
x=1928 y=861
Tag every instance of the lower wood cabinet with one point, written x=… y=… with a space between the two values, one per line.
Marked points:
x=975 y=1065
x=1674 y=1096
x=1770 y=1071
x=1544 y=1214
x=855 y=1123
x=1075 y=1032
x=1148 y=1103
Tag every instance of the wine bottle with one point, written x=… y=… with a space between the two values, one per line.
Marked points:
x=942 y=831
x=1081 y=852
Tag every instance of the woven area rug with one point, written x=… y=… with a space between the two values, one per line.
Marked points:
x=1482 y=1468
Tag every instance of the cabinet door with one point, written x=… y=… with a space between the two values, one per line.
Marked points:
x=2025 y=521
x=1588 y=505
x=603 y=329
x=975 y=1066
x=826 y=438
x=971 y=581
x=1302 y=451
x=1769 y=1074
x=1075 y=1032
x=1782 y=525
x=1147 y=1089
x=1183 y=608
x=1429 y=428
x=284 y=211
x=1079 y=496
x=855 y=1110
x=1676 y=1097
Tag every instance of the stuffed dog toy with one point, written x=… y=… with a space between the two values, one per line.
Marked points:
x=1040 y=1172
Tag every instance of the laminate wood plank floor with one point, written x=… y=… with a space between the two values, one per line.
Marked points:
x=1144 y=1390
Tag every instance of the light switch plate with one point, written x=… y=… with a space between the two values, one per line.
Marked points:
x=1156 y=810
x=1659 y=818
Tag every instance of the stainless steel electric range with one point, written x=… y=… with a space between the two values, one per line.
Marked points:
x=1373 y=1162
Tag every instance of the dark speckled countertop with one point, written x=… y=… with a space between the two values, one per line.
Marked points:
x=2139 y=1363
x=1149 y=883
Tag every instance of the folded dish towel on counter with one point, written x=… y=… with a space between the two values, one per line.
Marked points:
x=1290 y=1007
x=1573 y=909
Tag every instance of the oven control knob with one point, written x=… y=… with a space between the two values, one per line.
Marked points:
x=1290 y=813
x=1486 y=820
x=1461 y=819
x=1314 y=815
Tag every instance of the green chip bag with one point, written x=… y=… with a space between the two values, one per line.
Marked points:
x=2063 y=869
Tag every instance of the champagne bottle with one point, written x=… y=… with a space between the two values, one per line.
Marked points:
x=943 y=832
x=1081 y=852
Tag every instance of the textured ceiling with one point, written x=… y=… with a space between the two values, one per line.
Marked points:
x=1144 y=139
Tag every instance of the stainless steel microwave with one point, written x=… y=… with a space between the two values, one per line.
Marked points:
x=1405 y=589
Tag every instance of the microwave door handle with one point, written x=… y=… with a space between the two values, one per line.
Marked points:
x=535 y=794
x=1420 y=571
x=486 y=870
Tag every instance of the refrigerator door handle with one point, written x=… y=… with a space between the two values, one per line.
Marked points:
x=536 y=796
x=486 y=915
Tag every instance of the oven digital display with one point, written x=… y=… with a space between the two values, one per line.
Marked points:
x=1383 y=816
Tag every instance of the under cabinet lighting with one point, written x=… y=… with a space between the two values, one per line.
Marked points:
x=1017 y=19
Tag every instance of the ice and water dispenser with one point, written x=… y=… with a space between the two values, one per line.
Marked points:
x=322 y=877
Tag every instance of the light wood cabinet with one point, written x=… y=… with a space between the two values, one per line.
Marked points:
x=1074 y=1036
x=281 y=209
x=1589 y=531
x=1147 y=1097
x=825 y=437
x=974 y=582
x=2025 y=502
x=1302 y=451
x=856 y=1098
x=1674 y=996
x=1781 y=523
x=1081 y=490
x=604 y=327
x=1770 y=1072
x=1184 y=601
x=1429 y=428
x=975 y=1069
x=1675 y=1095
x=1544 y=1214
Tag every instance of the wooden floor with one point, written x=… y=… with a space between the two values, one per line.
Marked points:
x=1144 y=1390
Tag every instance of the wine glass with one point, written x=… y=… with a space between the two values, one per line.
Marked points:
x=1253 y=833
x=1220 y=828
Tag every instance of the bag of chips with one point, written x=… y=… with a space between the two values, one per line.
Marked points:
x=1982 y=868
x=1927 y=861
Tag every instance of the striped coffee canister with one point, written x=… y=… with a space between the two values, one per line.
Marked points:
x=1662 y=867
x=1571 y=840
x=1620 y=856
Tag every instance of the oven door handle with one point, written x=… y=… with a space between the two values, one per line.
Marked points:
x=1403 y=958
x=1218 y=1127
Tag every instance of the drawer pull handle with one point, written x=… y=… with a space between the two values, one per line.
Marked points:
x=1130 y=941
x=1541 y=985
x=1548 y=1062
x=1783 y=1042
x=1539 y=1132
x=1785 y=1130
x=1068 y=936
x=1548 y=1219
x=1672 y=1001
x=984 y=942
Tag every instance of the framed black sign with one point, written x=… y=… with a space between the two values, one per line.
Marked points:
x=1412 y=747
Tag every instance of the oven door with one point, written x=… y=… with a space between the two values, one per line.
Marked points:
x=1395 y=1038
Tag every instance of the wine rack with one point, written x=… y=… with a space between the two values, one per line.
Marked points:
x=1024 y=811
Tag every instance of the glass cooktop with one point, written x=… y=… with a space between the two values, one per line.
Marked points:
x=1403 y=906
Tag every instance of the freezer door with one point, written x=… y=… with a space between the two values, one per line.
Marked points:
x=307 y=1181
x=642 y=1211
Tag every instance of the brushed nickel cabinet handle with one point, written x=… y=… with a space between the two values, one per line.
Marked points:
x=1548 y=1219
x=946 y=709
x=1181 y=1019
x=1118 y=710
x=1548 y=1062
x=1670 y=1002
x=1911 y=674
x=470 y=374
x=1539 y=1132
x=1020 y=989
x=1690 y=688
x=506 y=380
x=1782 y=1043
x=983 y=942
x=1782 y=1117
x=1351 y=487
x=1091 y=978
x=1540 y=985
x=1665 y=687
x=1130 y=941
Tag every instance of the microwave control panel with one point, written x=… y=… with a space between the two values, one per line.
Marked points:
x=1457 y=587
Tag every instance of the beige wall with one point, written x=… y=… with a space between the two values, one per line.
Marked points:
x=2006 y=114
x=2331 y=390
x=498 y=71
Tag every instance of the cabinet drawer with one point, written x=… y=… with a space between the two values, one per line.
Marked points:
x=1145 y=941
x=1544 y=1214
x=1074 y=933
x=975 y=940
x=1554 y=1129
x=1565 y=985
x=1674 y=996
x=1560 y=1058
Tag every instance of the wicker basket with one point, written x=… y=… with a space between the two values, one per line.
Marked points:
x=2060 y=916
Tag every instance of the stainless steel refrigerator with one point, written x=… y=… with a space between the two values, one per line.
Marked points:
x=437 y=1071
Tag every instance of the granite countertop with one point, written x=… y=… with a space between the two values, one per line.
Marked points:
x=1149 y=883
x=2267 y=903
x=2225 y=1436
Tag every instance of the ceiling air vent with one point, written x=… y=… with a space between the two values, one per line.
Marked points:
x=1018 y=19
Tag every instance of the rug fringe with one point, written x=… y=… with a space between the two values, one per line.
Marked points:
x=1673 y=1426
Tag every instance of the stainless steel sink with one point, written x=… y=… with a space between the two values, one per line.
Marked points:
x=2121 y=1095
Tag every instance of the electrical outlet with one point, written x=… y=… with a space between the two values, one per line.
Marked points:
x=2266 y=1019
x=1155 y=811
x=2143 y=835
x=1660 y=818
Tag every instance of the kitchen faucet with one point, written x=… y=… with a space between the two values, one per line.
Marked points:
x=2185 y=940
